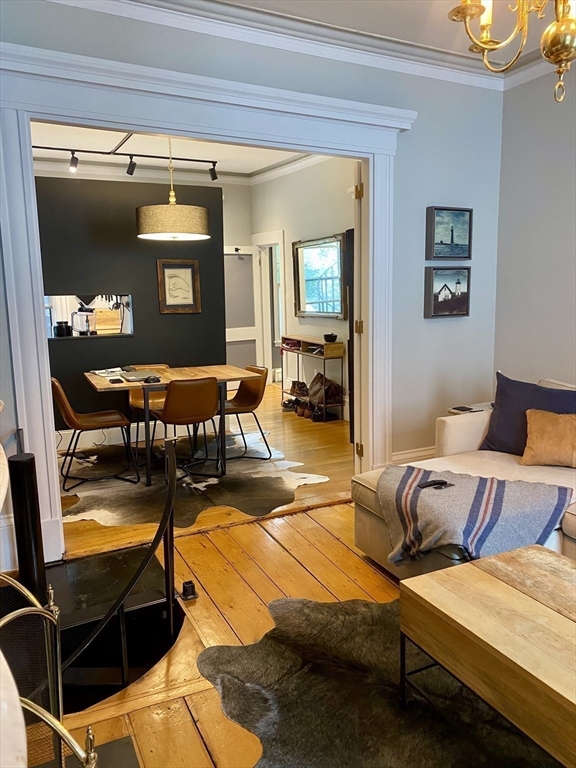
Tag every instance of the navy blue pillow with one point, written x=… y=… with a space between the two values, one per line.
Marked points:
x=508 y=431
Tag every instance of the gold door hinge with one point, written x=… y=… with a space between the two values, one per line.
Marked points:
x=359 y=450
x=359 y=191
x=359 y=326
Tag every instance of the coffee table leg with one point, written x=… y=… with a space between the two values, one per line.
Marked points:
x=402 y=669
x=222 y=430
x=147 y=436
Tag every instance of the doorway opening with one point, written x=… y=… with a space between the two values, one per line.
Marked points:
x=277 y=308
x=249 y=318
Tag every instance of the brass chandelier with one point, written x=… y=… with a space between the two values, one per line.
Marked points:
x=558 y=43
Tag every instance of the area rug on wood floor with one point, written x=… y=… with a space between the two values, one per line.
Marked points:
x=254 y=486
x=321 y=690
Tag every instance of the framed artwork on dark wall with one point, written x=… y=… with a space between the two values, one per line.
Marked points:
x=447 y=292
x=448 y=233
x=179 y=286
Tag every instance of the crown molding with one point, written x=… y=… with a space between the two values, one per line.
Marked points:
x=280 y=32
x=93 y=72
x=530 y=71
x=288 y=168
x=106 y=171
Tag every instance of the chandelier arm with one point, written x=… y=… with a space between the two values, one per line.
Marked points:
x=560 y=9
x=519 y=27
x=539 y=6
x=511 y=63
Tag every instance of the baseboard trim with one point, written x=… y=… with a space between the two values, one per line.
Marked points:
x=109 y=436
x=415 y=454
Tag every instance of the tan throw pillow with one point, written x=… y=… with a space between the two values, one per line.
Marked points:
x=551 y=439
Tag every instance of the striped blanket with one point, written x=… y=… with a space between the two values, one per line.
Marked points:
x=483 y=516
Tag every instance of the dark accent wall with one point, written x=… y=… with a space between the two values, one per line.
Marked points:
x=89 y=246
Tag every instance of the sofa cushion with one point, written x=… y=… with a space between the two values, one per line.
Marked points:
x=554 y=384
x=507 y=431
x=364 y=490
x=503 y=466
x=569 y=521
x=551 y=439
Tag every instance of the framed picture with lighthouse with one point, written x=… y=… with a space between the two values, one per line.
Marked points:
x=448 y=233
x=447 y=292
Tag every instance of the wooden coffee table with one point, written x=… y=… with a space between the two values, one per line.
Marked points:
x=505 y=626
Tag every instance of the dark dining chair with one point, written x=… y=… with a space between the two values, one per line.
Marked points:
x=246 y=400
x=191 y=403
x=87 y=422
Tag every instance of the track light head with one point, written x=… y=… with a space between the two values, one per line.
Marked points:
x=212 y=172
x=73 y=167
x=131 y=167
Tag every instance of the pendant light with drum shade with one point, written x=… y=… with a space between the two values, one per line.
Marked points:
x=172 y=221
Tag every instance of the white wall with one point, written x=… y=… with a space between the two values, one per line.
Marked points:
x=237 y=213
x=536 y=299
x=8 y=420
x=450 y=157
x=308 y=204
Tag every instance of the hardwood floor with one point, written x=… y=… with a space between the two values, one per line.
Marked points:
x=173 y=714
x=324 y=449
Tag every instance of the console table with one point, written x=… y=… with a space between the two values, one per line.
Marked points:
x=505 y=627
x=306 y=346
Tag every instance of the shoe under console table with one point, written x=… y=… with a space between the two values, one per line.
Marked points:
x=306 y=346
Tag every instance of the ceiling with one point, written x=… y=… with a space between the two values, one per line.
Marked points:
x=421 y=22
x=231 y=158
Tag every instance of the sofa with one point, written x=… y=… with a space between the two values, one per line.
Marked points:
x=458 y=439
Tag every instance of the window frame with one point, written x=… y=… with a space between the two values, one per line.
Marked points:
x=339 y=239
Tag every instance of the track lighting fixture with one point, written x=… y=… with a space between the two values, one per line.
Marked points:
x=132 y=165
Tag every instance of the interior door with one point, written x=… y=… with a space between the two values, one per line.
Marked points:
x=243 y=311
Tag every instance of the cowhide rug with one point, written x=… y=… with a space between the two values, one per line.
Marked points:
x=254 y=486
x=320 y=690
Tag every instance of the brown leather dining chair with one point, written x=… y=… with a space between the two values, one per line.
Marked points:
x=155 y=398
x=191 y=403
x=86 y=422
x=246 y=400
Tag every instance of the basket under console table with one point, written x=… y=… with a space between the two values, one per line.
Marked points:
x=306 y=346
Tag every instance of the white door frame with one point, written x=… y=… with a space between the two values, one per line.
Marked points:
x=256 y=332
x=61 y=87
x=262 y=241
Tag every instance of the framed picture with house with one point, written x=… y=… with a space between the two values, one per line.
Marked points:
x=447 y=292
x=448 y=233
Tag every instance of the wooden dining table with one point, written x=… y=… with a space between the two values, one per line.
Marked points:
x=224 y=374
